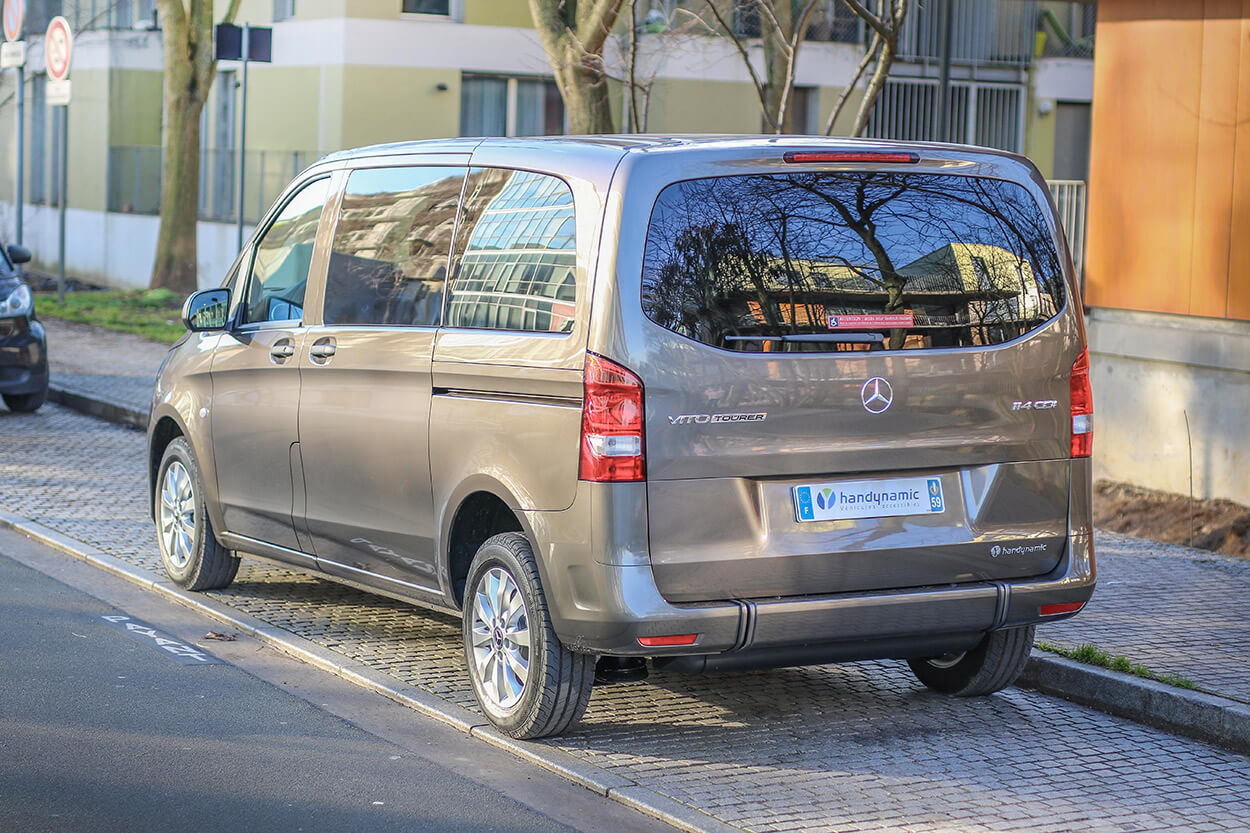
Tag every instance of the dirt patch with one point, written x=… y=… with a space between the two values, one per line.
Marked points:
x=1216 y=525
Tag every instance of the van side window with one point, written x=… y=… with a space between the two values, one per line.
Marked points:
x=279 y=268
x=516 y=254
x=392 y=245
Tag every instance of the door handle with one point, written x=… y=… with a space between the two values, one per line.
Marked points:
x=322 y=350
x=282 y=350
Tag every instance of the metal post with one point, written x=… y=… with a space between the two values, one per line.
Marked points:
x=243 y=135
x=944 y=80
x=21 y=149
x=60 y=273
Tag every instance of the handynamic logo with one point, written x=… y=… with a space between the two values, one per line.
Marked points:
x=825 y=498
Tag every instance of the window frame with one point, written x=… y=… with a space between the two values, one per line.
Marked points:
x=249 y=258
x=579 y=284
x=511 y=103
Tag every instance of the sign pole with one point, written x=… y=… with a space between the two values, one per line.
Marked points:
x=58 y=47
x=243 y=134
x=21 y=149
x=60 y=274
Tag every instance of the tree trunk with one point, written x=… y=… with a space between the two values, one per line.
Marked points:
x=587 y=106
x=176 y=253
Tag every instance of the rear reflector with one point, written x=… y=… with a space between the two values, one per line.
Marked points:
x=612 y=448
x=1065 y=607
x=801 y=156
x=674 y=639
x=1082 y=407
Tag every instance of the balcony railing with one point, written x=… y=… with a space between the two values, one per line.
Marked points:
x=1069 y=197
x=984 y=32
x=88 y=15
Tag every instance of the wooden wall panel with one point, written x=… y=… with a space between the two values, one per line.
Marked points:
x=1142 y=158
x=1213 y=169
x=1239 y=256
x=1169 y=204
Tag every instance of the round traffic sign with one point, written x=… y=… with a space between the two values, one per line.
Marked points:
x=58 y=48
x=14 y=11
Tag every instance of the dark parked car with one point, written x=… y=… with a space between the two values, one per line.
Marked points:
x=23 y=344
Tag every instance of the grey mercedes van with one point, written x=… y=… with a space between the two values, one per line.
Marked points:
x=691 y=403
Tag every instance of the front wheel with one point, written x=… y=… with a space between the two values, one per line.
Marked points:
x=526 y=681
x=26 y=403
x=991 y=666
x=190 y=552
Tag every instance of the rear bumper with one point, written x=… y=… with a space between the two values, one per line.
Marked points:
x=23 y=358
x=604 y=598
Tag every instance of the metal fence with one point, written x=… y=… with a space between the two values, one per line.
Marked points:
x=134 y=180
x=1069 y=197
x=984 y=32
x=86 y=15
x=980 y=113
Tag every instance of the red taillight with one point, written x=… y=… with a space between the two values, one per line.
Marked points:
x=801 y=156
x=674 y=639
x=1065 y=607
x=612 y=449
x=1082 y=408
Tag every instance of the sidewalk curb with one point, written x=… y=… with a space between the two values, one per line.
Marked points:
x=1206 y=717
x=98 y=406
x=566 y=765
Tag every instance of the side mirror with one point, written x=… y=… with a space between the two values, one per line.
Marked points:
x=206 y=310
x=19 y=254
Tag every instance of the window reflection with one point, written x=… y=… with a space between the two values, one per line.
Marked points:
x=925 y=261
x=516 y=254
x=280 y=264
x=391 y=246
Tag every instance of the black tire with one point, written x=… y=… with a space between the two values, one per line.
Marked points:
x=556 y=689
x=26 y=403
x=991 y=666
x=197 y=561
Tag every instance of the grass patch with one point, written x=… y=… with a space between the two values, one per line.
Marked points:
x=1093 y=655
x=152 y=313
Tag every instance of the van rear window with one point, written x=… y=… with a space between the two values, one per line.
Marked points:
x=833 y=261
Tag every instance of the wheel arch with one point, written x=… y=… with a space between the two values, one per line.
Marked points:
x=480 y=508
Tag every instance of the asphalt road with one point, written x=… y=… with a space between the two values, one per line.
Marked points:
x=104 y=730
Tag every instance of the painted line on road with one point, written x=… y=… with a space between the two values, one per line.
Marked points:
x=592 y=777
x=145 y=634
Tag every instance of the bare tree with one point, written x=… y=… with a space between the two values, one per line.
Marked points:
x=885 y=24
x=187 y=32
x=573 y=34
x=783 y=23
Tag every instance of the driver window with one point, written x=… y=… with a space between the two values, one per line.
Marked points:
x=279 y=271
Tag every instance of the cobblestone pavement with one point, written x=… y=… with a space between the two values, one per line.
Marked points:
x=117 y=367
x=836 y=748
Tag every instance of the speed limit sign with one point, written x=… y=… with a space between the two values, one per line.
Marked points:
x=58 y=48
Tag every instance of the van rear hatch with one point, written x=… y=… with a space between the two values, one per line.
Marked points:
x=859 y=380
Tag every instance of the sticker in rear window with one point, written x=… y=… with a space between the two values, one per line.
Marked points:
x=871 y=322
x=868 y=499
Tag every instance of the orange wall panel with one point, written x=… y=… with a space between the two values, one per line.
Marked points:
x=1169 y=199
x=1239 y=256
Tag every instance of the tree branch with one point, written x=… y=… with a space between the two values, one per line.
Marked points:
x=746 y=59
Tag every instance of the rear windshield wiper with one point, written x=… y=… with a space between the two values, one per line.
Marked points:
x=818 y=338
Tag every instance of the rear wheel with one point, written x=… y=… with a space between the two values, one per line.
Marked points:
x=26 y=402
x=189 y=550
x=991 y=666
x=527 y=682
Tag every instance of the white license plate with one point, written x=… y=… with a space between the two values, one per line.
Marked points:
x=846 y=499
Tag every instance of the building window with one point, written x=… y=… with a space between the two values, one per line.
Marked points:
x=442 y=7
x=283 y=10
x=501 y=106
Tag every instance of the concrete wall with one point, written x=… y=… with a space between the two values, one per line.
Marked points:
x=1151 y=373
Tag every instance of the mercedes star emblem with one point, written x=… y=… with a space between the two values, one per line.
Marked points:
x=876 y=394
